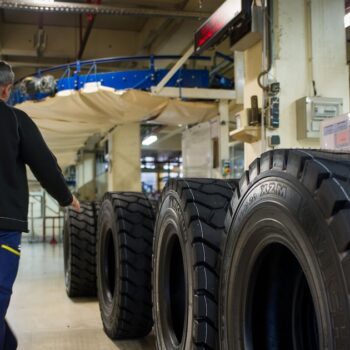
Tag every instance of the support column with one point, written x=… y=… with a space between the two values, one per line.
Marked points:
x=86 y=175
x=253 y=67
x=125 y=153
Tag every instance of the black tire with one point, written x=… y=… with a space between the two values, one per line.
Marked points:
x=79 y=239
x=187 y=245
x=124 y=265
x=286 y=267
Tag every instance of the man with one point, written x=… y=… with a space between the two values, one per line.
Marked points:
x=21 y=144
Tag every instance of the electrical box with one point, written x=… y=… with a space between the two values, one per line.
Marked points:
x=273 y=113
x=311 y=111
x=335 y=133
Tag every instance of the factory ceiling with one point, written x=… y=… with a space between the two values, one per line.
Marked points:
x=30 y=40
x=144 y=32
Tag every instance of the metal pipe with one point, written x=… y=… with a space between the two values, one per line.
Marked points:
x=86 y=37
x=267 y=64
x=99 y=61
x=173 y=70
x=223 y=65
x=122 y=59
x=71 y=7
x=16 y=64
x=309 y=47
x=81 y=29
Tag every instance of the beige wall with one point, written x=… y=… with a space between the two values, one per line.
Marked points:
x=125 y=152
x=63 y=42
x=293 y=68
x=253 y=67
x=86 y=173
x=169 y=144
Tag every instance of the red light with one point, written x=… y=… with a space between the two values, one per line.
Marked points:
x=217 y=22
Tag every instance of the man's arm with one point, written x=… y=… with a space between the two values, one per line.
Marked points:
x=42 y=162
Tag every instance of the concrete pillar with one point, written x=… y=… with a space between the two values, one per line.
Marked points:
x=86 y=175
x=125 y=153
x=253 y=67
x=239 y=74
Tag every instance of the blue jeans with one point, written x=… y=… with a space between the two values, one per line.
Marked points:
x=9 y=261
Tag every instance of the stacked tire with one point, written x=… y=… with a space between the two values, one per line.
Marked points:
x=285 y=278
x=79 y=239
x=186 y=264
x=263 y=264
x=124 y=264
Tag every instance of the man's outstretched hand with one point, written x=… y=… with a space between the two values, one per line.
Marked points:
x=75 y=204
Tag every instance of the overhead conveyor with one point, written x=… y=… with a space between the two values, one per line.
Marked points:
x=74 y=76
x=72 y=102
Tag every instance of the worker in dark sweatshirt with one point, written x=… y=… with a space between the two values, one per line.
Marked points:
x=21 y=144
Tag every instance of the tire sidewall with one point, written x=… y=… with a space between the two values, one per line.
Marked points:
x=109 y=309
x=172 y=214
x=67 y=252
x=277 y=199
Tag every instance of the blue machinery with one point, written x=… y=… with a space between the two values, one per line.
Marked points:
x=75 y=75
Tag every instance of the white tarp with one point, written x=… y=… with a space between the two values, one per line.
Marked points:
x=67 y=121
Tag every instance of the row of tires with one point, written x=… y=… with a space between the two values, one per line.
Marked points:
x=263 y=263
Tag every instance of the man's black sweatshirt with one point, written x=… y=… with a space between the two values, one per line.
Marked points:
x=21 y=143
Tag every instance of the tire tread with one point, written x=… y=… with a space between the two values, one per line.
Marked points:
x=135 y=231
x=81 y=228
x=204 y=203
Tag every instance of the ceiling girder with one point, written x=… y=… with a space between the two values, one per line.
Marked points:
x=71 y=7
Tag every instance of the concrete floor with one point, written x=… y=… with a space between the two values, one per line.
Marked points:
x=44 y=318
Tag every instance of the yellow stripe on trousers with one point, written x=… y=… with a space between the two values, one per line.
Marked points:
x=11 y=250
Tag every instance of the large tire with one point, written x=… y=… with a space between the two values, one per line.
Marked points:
x=124 y=265
x=285 y=278
x=187 y=246
x=79 y=238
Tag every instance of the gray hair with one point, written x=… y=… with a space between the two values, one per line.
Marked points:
x=7 y=76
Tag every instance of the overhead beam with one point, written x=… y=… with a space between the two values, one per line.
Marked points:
x=86 y=37
x=71 y=7
x=170 y=135
x=17 y=41
x=16 y=64
x=173 y=70
x=195 y=93
x=32 y=53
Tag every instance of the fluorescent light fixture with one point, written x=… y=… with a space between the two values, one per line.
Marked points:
x=168 y=167
x=149 y=140
x=347 y=20
x=148 y=166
